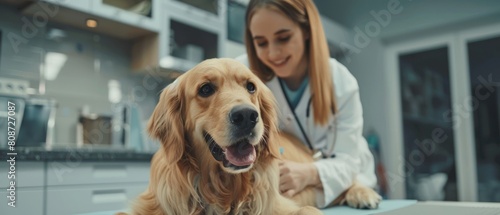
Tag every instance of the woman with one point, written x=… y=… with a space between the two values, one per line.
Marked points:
x=318 y=97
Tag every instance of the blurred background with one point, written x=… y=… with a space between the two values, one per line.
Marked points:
x=85 y=77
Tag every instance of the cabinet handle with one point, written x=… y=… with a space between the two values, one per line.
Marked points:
x=108 y=196
x=109 y=171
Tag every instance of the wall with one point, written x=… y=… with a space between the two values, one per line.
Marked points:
x=233 y=49
x=335 y=34
x=415 y=15
x=92 y=61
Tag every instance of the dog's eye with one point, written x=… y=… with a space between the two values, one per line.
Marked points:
x=206 y=90
x=250 y=87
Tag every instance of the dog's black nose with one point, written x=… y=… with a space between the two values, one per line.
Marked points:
x=244 y=118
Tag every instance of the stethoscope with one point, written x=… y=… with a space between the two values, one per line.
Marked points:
x=331 y=136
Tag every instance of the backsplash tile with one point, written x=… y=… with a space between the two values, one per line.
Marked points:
x=91 y=61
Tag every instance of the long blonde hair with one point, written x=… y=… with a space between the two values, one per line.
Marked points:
x=306 y=15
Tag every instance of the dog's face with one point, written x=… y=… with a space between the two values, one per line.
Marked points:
x=223 y=110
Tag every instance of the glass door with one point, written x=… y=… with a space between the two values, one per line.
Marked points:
x=428 y=142
x=483 y=56
x=446 y=116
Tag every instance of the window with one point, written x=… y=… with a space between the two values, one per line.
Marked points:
x=236 y=21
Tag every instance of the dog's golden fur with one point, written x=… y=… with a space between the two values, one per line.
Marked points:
x=185 y=176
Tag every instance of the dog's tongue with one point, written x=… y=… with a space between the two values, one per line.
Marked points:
x=241 y=154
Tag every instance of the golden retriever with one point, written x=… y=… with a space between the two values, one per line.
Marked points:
x=219 y=153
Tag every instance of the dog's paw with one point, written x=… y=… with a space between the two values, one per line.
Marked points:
x=362 y=197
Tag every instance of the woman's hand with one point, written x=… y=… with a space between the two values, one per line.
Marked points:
x=294 y=177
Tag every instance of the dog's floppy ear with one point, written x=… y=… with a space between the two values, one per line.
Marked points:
x=268 y=111
x=166 y=123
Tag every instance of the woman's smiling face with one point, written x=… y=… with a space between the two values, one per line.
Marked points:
x=279 y=43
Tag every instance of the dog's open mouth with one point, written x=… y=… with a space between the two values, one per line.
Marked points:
x=239 y=155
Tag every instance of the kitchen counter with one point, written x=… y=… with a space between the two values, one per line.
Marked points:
x=76 y=154
x=71 y=180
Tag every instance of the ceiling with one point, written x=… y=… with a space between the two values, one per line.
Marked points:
x=414 y=15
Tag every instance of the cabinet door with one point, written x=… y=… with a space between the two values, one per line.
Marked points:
x=141 y=14
x=428 y=140
x=63 y=200
x=61 y=173
x=186 y=42
x=447 y=115
x=80 y=5
x=422 y=143
x=28 y=174
x=482 y=65
x=210 y=12
x=28 y=201
x=190 y=34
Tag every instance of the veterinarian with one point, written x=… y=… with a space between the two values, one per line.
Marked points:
x=317 y=96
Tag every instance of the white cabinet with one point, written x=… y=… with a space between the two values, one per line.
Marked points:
x=206 y=12
x=192 y=30
x=28 y=193
x=28 y=201
x=80 y=5
x=28 y=174
x=94 y=186
x=61 y=187
x=114 y=18
x=142 y=14
x=173 y=35
x=444 y=98
x=427 y=135
x=96 y=173
x=477 y=115
x=63 y=200
x=139 y=14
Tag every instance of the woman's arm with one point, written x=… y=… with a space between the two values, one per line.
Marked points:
x=295 y=176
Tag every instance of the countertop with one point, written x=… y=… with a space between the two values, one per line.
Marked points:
x=385 y=206
x=81 y=154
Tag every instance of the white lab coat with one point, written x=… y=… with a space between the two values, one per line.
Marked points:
x=353 y=159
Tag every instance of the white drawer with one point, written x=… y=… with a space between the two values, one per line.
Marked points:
x=28 y=201
x=28 y=174
x=66 y=200
x=60 y=173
